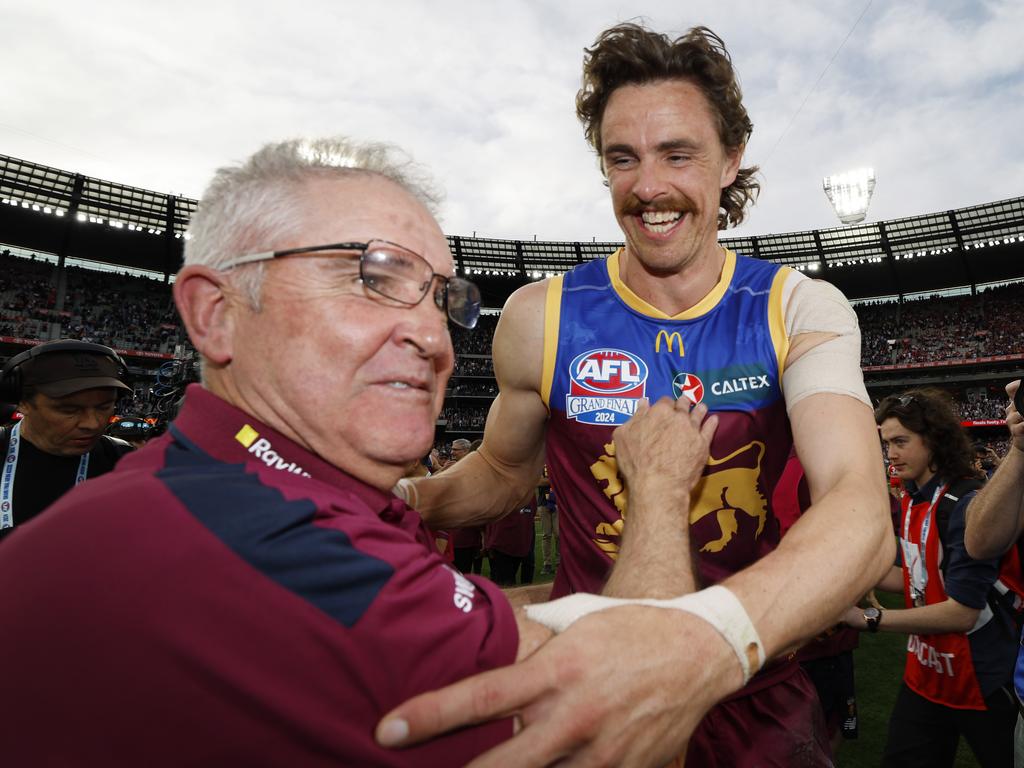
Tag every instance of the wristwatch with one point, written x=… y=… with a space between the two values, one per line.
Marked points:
x=872 y=617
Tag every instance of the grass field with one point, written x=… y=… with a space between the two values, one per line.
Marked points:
x=878 y=669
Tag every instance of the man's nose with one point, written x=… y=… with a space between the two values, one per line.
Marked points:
x=93 y=420
x=650 y=182
x=425 y=328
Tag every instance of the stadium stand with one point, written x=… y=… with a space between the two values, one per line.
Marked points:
x=935 y=293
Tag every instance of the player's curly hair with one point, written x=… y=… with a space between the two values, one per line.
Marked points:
x=629 y=54
x=931 y=413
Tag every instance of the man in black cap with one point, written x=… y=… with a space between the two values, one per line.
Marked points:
x=66 y=391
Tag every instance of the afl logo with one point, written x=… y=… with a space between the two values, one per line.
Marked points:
x=605 y=386
x=689 y=386
x=608 y=372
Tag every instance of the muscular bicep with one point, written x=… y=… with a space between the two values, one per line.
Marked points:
x=837 y=443
x=491 y=481
x=514 y=432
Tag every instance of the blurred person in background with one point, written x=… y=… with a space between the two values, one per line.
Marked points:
x=66 y=391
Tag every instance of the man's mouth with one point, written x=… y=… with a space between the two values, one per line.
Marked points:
x=660 y=222
x=406 y=384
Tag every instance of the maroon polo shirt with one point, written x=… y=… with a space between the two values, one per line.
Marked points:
x=225 y=597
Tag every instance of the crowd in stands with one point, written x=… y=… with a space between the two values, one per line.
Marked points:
x=471 y=388
x=942 y=328
x=136 y=313
x=982 y=404
x=477 y=341
x=38 y=301
x=129 y=313
x=472 y=418
x=473 y=366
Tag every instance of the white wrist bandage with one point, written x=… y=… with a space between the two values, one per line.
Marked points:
x=716 y=605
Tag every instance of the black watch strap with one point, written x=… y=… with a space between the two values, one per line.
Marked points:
x=872 y=617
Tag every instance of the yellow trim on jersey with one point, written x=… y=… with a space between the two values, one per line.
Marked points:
x=702 y=307
x=776 y=318
x=552 y=316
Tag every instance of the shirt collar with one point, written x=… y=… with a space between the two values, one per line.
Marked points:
x=926 y=491
x=231 y=435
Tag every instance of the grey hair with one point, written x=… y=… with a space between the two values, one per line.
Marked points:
x=255 y=205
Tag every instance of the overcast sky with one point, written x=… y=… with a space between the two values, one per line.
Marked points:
x=931 y=94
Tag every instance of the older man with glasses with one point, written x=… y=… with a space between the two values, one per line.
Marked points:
x=246 y=590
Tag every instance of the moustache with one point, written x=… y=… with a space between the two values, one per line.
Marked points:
x=634 y=206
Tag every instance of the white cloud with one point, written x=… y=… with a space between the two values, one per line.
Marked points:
x=930 y=93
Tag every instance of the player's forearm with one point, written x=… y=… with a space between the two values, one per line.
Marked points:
x=839 y=549
x=654 y=559
x=995 y=517
x=473 y=492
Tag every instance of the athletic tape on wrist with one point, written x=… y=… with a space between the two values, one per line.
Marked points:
x=406 y=491
x=716 y=605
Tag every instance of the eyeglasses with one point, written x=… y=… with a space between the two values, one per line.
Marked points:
x=395 y=273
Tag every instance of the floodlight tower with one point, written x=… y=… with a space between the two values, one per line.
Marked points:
x=850 y=193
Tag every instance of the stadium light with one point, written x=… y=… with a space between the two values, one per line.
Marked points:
x=850 y=193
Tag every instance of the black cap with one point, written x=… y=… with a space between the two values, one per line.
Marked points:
x=58 y=374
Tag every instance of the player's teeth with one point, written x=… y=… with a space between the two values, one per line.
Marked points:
x=660 y=217
x=398 y=384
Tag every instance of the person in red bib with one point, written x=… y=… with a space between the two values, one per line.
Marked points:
x=961 y=644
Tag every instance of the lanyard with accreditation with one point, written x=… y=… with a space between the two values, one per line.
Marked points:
x=916 y=558
x=7 y=478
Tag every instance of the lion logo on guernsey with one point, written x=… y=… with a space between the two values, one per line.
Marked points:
x=605 y=386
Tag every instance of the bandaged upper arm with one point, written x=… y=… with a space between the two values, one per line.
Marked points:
x=833 y=364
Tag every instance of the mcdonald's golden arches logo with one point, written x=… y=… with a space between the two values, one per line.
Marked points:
x=670 y=340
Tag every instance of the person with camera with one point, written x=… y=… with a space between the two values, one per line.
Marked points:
x=962 y=643
x=66 y=391
x=995 y=520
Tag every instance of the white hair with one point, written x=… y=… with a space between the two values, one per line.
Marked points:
x=255 y=205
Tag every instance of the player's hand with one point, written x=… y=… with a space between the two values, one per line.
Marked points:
x=610 y=690
x=1014 y=419
x=665 y=445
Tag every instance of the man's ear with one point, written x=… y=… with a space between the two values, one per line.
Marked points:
x=204 y=302
x=733 y=158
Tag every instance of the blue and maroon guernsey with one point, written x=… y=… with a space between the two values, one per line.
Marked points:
x=224 y=597
x=605 y=350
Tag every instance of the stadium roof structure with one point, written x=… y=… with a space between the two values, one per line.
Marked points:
x=71 y=215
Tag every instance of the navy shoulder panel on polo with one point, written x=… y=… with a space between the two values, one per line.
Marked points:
x=275 y=536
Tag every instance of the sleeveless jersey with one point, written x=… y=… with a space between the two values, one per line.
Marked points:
x=605 y=350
